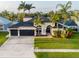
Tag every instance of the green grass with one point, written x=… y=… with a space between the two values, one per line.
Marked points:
x=3 y=37
x=57 y=54
x=58 y=43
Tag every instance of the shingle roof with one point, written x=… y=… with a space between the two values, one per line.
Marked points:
x=68 y=22
x=27 y=23
x=45 y=19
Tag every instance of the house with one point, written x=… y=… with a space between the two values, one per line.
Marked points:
x=68 y=24
x=4 y=24
x=28 y=28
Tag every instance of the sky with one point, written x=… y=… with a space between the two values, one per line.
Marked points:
x=41 y=6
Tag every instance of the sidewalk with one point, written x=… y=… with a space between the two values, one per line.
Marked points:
x=56 y=50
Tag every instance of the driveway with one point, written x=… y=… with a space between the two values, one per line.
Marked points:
x=18 y=47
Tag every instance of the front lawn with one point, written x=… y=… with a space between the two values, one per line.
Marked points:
x=3 y=37
x=57 y=54
x=58 y=43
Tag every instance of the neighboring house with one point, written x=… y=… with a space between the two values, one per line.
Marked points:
x=27 y=28
x=68 y=24
x=4 y=24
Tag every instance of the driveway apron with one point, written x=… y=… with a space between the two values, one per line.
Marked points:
x=18 y=47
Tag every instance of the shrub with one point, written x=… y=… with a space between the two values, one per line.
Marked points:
x=57 y=33
x=69 y=33
x=63 y=34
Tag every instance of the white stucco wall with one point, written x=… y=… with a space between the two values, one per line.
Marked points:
x=44 y=26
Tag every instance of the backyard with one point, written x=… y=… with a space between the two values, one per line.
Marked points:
x=58 y=43
x=3 y=37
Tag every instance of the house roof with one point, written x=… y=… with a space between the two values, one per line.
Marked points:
x=45 y=19
x=4 y=20
x=27 y=23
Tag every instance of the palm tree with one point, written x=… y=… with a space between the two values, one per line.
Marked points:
x=74 y=15
x=54 y=17
x=20 y=16
x=23 y=6
x=64 y=9
x=37 y=21
x=29 y=7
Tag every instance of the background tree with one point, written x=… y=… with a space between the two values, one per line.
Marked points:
x=5 y=13
x=20 y=16
x=64 y=8
x=23 y=6
x=12 y=16
x=28 y=7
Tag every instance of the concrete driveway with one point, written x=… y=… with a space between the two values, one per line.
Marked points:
x=18 y=47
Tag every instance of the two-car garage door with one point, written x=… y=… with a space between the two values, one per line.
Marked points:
x=26 y=32
x=22 y=32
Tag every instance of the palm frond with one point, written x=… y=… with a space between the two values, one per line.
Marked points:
x=68 y=7
x=60 y=5
x=68 y=3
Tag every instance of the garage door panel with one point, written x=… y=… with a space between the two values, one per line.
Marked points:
x=14 y=32
x=26 y=32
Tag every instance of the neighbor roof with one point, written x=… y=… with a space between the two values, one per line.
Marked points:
x=4 y=20
x=68 y=22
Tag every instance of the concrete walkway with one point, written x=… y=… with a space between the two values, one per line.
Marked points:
x=56 y=50
x=18 y=47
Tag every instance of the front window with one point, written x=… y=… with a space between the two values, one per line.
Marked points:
x=38 y=30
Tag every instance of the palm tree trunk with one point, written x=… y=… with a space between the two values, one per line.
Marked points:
x=29 y=11
x=63 y=25
x=57 y=25
x=24 y=11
